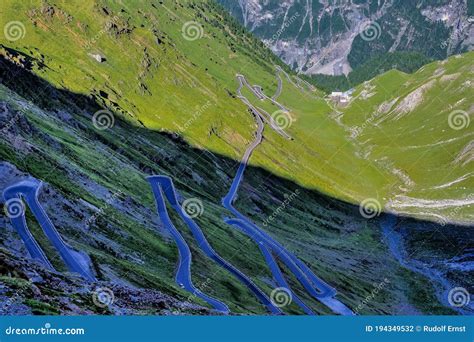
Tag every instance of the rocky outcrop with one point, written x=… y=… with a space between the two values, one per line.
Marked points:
x=28 y=288
x=316 y=36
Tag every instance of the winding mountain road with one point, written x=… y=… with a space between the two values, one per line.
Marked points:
x=280 y=70
x=258 y=91
x=12 y=195
x=164 y=185
x=263 y=96
x=314 y=285
x=279 y=86
x=270 y=260
x=268 y=118
x=306 y=83
x=296 y=85
x=163 y=188
x=160 y=185
x=29 y=191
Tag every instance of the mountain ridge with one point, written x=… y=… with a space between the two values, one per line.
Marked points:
x=322 y=37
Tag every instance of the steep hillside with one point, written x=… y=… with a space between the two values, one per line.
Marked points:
x=333 y=37
x=148 y=59
x=148 y=55
x=419 y=127
x=96 y=195
x=98 y=95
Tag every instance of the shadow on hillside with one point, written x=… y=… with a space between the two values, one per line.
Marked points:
x=16 y=74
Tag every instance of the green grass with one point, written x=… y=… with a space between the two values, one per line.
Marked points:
x=187 y=77
x=40 y=308
x=317 y=223
x=183 y=78
x=420 y=143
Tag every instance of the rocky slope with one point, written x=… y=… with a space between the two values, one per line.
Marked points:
x=27 y=288
x=333 y=37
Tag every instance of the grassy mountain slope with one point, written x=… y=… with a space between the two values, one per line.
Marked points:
x=176 y=113
x=96 y=195
x=148 y=59
x=405 y=127
x=139 y=75
x=419 y=127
